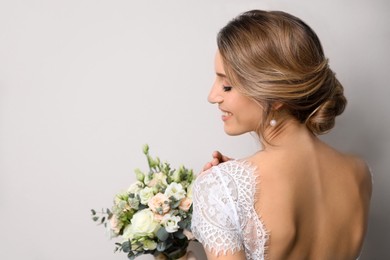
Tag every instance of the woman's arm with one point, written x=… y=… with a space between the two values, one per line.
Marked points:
x=240 y=255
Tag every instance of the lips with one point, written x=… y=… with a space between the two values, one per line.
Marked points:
x=226 y=115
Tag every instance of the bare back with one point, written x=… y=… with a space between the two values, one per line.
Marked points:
x=313 y=201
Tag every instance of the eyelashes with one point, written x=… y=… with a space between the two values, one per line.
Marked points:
x=227 y=88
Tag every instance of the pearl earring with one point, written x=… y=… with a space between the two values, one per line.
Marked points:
x=272 y=122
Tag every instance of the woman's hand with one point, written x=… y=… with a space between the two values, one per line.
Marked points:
x=217 y=159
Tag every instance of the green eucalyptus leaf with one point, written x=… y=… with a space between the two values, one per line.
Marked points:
x=186 y=223
x=161 y=246
x=131 y=256
x=126 y=246
x=179 y=234
x=162 y=234
x=175 y=204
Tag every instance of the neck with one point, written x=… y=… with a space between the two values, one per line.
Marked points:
x=289 y=132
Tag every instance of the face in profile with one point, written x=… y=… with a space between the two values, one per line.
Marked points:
x=240 y=114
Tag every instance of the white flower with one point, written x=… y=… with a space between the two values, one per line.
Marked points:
x=142 y=224
x=135 y=187
x=145 y=195
x=175 y=190
x=170 y=223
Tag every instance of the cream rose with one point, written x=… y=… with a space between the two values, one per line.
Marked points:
x=142 y=224
x=185 y=204
x=145 y=195
x=171 y=223
x=159 y=204
x=175 y=190
x=115 y=225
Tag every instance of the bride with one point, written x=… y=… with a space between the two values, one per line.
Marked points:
x=297 y=198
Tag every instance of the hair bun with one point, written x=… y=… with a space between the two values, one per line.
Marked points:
x=322 y=119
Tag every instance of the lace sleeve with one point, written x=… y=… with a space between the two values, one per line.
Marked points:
x=215 y=220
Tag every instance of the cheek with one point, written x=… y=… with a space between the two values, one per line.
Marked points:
x=254 y=114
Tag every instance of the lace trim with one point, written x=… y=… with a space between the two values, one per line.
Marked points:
x=224 y=218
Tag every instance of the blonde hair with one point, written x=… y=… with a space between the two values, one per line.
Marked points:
x=272 y=56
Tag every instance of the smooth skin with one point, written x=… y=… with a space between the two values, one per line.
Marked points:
x=313 y=199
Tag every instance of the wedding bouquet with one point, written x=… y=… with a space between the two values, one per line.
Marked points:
x=154 y=215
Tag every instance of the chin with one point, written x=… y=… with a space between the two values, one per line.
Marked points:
x=232 y=132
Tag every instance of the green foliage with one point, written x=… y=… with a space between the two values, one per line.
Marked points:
x=101 y=217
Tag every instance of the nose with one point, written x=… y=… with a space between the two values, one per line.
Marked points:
x=215 y=95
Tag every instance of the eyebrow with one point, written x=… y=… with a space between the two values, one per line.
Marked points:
x=220 y=75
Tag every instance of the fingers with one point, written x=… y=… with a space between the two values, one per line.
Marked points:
x=217 y=159
x=217 y=155
x=220 y=157
x=207 y=166
x=214 y=162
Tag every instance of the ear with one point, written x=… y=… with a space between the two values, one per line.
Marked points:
x=277 y=105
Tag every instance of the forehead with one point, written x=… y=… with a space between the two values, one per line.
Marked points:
x=218 y=63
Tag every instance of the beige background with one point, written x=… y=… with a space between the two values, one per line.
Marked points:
x=84 y=84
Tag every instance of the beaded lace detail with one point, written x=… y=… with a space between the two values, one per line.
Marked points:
x=224 y=218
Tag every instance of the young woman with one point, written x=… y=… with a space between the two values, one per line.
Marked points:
x=297 y=198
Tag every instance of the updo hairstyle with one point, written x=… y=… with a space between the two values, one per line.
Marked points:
x=272 y=56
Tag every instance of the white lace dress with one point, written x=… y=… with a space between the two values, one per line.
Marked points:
x=224 y=218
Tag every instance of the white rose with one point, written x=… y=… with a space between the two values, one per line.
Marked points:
x=175 y=190
x=135 y=187
x=170 y=223
x=145 y=195
x=142 y=224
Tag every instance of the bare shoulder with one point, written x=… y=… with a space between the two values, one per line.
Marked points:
x=361 y=172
